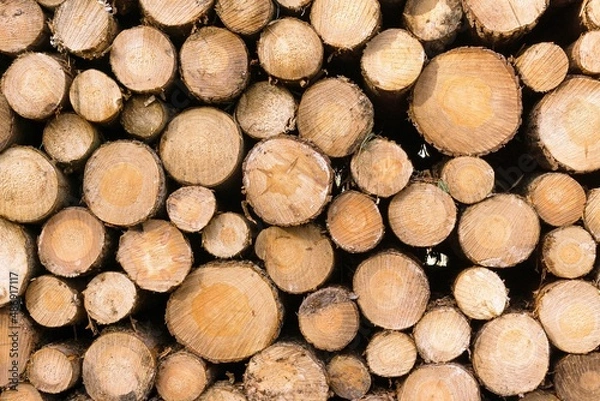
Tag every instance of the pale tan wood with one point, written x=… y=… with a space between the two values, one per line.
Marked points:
x=576 y=377
x=539 y=395
x=442 y=334
x=287 y=182
x=511 y=354
x=119 y=365
x=223 y=391
x=354 y=222
x=480 y=293
x=500 y=231
x=294 y=6
x=31 y=187
x=73 y=242
x=70 y=139
x=562 y=126
x=583 y=53
x=542 y=66
x=591 y=213
x=286 y=371
x=568 y=252
x=50 y=4
x=345 y=25
x=201 y=146
x=110 y=297
x=381 y=167
x=387 y=281
x=569 y=311
x=448 y=382
x=22 y=392
x=96 y=97
x=56 y=367
x=391 y=353
x=434 y=22
x=349 y=376
x=190 y=208
x=20 y=338
x=85 y=28
x=590 y=14
x=422 y=214
x=22 y=26
x=467 y=102
x=124 y=183
x=17 y=260
x=175 y=15
x=467 y=179
x=54 y=302
x=143 y=59
x=335 y=115
x=558 y=198
x=214 y=64
x=10 y=129
x=144 y=117
x=329 y=318
x=227 y=235
x=379 y=395
x=265 y=110
x=225 y=311
x=297 y=259
x=245 y=17
x=289 y=49
x=182 y=376
x=36 y=85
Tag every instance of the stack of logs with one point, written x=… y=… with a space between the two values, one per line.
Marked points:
x=299 y=200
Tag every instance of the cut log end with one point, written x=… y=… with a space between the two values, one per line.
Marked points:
x=191 y=208
x=391 y=354
x=480 y=293
x=568 y=252
x=10 y=129
x=70 y=139
x=449 y=382
x=542 y=67
x=590 y=14
x=435 y=23
x=223 y=391
x=576 y=377
x=468 y=179
x=227 y=235
x=96 y=97
x=53 y=302
x=17 y=255
x=591 y=213
x=110 y=297
x=539 y=396
x=294 y=6
x=442 y=334
x=182 y=376
x=22 y=26
x=15 y=326
x=144 y=117
x=248 y=17
x=349 y=376
x=583 y=53
x=175 y=16
x=22 y=392
x=55 y=368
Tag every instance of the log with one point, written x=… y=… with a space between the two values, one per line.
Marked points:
x=36 y=85
x=31 y=187
x=498 y=24
x=296 y=7
x=590 y=14
x=143 y=59
x=176 y=17
x=576 y=377
x=73 y=242
x=463 y=108
x=10 y=129
x=298 y=259
x=18 y=261
x=201 y=146
x=335 y=115
x=223 y=391
x=467 y=179
x=562 y=126
x=22 y=392
x=247 y=17
x=542 y=66
x=119 y=365
x=329 y=318
x=110 y=297
x=155 y=255
x=435 y=23
x=539 y=396
x=387 y=281
x=422 y=215
x=22 y=26
x=124 y=183
x=391 y=63
x=568 y=252
x=85 y=28
x=449 y=382
x=70 y=140
x=511 y=354
x=569 y=311
x=287 y=182
x=345 y=26
x=591 y=213
x=500 y=231
x=286 y=371
x=200 y=315
x=391 y=353
x=558 y=198
x=191 y=208
x=354 y=222
x=144 y=117
x=583 y=54
x=442 y=334
x=379 y=395
x=20 y=337
x=290 y=50
x=381 y=167
x=96 y=97
x=182 y=376
x=54 y=302
x=227 y=235
x=214 y=65
x=349 y=376
x=55 y=368
x=480 y=293
x=50 y=4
